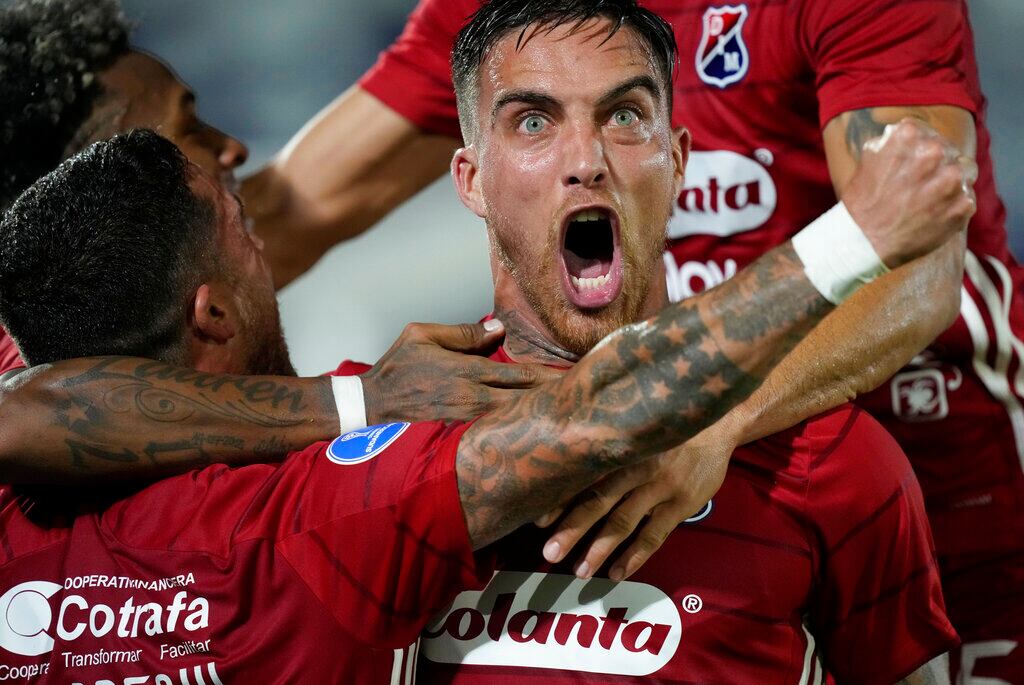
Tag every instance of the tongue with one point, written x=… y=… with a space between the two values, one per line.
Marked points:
x=585 y=267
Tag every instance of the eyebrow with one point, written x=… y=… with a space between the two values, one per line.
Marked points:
x=525 y=97
x=542 y=100
x=643 y=82
x=187 y=98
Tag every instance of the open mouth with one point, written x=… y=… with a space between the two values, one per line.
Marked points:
x=591 y=258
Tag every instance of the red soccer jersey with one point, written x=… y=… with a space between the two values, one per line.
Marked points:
x=316 y=570
x=757 y=82
x=813 y=563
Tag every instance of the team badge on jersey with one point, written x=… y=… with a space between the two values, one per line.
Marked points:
x=722 y=57
x=358 y=446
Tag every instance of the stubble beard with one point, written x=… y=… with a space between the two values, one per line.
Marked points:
x=578 y=330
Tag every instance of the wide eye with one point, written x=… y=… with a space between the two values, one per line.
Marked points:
x=624 y=117
x=533 y=124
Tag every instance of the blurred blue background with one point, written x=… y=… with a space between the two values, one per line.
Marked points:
x=262 y=68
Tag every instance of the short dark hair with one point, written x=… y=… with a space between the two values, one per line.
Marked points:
x=50 y=53
x=103 y=255
x=497 y=18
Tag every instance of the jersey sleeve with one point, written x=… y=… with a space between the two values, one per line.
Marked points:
x=877 y=611
x=873 y=53
x=374 y=527
x=413 y=76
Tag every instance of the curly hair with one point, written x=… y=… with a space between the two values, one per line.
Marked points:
x=50 y=52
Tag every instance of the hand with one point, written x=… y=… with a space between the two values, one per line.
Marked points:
x=654 y=496
x=912 y=191
x=433 y=372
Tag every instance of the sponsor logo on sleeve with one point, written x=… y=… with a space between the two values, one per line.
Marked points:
x=722 y=58
x=538 y=620
x=358 y=446
x=725 y=193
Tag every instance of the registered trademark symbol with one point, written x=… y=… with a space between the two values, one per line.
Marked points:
x=692 y=604
x=764 y=156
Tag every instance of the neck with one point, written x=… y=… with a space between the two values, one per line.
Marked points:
x=528 y=342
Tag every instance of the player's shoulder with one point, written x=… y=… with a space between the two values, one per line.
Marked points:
x=849 y=450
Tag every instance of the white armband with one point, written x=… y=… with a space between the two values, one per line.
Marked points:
x=348 y=397
x=838 y=258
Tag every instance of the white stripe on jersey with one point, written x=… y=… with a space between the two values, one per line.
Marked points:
x=995 y=378
x=396 y=667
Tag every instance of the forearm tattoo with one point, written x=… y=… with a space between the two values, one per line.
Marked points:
x=122 y=411
x=645 y=388
x=863 y=124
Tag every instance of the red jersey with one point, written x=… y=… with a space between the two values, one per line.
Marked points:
x=316 y=570
x=813 y=563
x=757 y=82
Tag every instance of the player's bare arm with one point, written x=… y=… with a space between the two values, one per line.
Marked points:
x=882 y=326
x=935 y=672
x=331 y=182
x=649 y=387
x=137 y=419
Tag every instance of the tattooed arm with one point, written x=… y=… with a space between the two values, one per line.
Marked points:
x=650 y=386
x=136 y=419
x=887 y=322
x=935 y=672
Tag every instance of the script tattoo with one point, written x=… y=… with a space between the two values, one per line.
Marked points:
x=644 y=389
x=152 y=396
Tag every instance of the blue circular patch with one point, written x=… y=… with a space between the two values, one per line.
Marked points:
x=364 y=444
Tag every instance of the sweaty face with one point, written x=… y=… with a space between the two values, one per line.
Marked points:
x=261 y=347
x=577 y=169
x=144 y=93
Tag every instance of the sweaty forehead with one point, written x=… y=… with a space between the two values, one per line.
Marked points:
x=556 y=59
x=147 y=84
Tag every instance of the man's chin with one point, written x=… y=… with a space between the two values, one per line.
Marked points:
x=579 y=330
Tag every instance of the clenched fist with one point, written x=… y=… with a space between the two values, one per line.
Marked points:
x=912 y=192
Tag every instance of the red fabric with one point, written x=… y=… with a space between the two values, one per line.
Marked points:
x=309 y=570
x=758 y=173
x=820 y=530
x=10 y=359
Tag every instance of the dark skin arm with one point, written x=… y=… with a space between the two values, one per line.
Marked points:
x=138 y=420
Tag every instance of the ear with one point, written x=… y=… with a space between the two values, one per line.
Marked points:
x=467 y=180
x=212 y=318
x=680 y=155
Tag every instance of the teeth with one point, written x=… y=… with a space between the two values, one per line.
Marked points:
x=590 y=283
x=588 y=215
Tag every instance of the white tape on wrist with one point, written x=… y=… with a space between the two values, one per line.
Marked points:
x=348 y=397
x=838 y=258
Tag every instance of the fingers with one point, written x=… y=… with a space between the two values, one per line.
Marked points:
x=515 y=376
x=652 y=535
x=549 y=518
x=468 y=338
x=620 y=524
x=588 y=510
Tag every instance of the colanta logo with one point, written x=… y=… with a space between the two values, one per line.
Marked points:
x=539 y=620
x=725 y=193
x=27 y=621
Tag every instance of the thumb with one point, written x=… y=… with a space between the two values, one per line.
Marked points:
x=470 y=338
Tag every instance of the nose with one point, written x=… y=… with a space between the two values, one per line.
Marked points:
x=586 y=164
x=231 y=153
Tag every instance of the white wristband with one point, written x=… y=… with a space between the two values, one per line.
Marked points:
x=348 y=397
x=838 y=258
